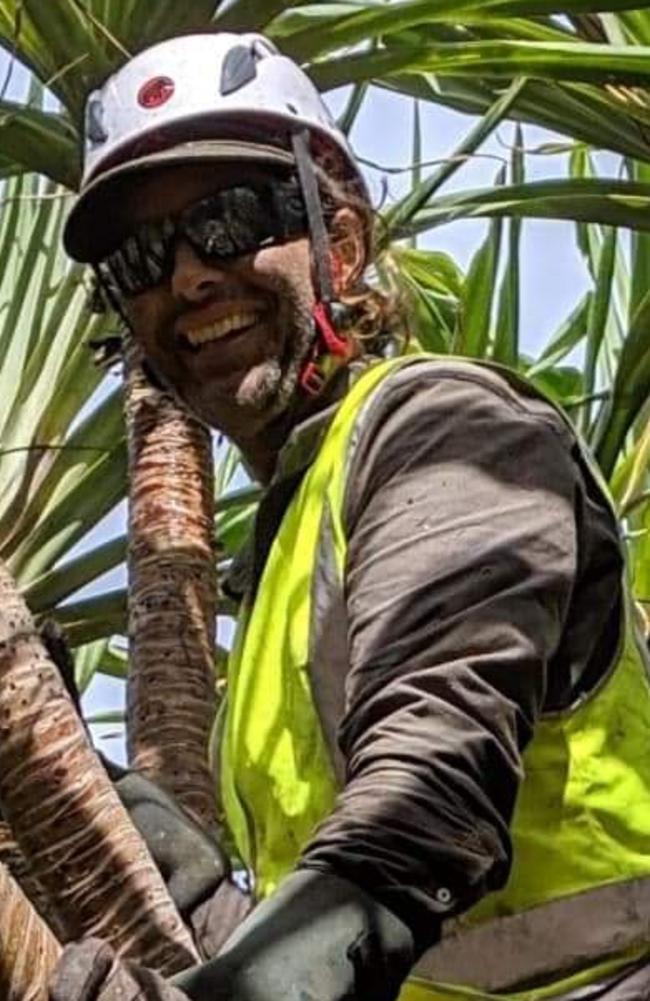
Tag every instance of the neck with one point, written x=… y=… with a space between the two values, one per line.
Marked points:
x=260 y=452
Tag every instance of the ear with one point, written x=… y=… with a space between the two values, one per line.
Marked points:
x=348 y=248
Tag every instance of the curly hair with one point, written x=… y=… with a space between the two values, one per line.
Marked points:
x=378 y=316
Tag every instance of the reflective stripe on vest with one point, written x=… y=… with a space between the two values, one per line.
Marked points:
x=581 y=825
x=549 y=941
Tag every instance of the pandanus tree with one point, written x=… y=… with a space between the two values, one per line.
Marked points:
x=172 y=608
x=29 y=950
x=579 y=68
x=84 y=852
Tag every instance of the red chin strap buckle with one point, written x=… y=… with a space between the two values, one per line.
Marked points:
x=333 y=342
x=328 y=342
x=312 y=379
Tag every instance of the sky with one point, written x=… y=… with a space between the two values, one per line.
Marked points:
x=553 y=274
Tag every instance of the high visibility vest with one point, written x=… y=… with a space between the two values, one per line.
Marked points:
x=577 y=901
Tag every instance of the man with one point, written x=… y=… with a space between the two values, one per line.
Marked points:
x=434 y=757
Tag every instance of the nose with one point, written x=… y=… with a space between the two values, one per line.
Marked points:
x=192 y=280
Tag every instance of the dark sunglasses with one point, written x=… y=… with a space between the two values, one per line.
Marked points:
x=234 y=221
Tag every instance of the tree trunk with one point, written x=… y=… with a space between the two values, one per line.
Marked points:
x=64 y=811
x=172 y=595
x=13 y=858
x=29 y=951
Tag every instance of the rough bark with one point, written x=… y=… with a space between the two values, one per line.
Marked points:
x=20 y=869
x=64 y=812
x=29 y=951
x=172 y=595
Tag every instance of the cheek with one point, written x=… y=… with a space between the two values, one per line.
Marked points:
x=148 y=314
x=286 y=269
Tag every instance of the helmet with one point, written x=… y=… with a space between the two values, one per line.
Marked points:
x=197 y=98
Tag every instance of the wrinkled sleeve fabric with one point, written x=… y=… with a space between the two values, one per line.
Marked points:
x=462 y=557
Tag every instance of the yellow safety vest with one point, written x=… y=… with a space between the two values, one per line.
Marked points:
x=577 y=902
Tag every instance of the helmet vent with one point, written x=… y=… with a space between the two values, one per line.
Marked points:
x=263 y=47
x=239 y=68
x=95 y=131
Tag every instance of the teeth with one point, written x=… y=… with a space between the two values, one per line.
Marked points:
x=222 y=327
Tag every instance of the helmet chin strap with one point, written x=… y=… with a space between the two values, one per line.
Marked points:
x=329 y=315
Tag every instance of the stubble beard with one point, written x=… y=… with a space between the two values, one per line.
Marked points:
x=269 y=388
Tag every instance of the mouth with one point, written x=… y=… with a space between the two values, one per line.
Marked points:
x=218 y=322
x=238 y=323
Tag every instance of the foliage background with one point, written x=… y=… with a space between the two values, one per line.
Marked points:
x=567 y=301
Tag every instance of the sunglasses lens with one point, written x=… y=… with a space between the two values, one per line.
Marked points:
x=142 y=260
x=155 y=243
x=230 y=223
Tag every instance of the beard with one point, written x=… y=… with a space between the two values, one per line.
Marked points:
x=271 y=386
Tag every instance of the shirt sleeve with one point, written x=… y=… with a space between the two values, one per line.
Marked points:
x=462 y=556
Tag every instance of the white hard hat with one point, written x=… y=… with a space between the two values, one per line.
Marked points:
x=203 y=97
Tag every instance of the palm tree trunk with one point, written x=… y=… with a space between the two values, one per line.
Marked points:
x=172 y=595
x=14 y=859
x=29 y=951
x=64 y=812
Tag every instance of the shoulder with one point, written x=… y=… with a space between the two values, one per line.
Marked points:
x=461 y=392
x=432 y=415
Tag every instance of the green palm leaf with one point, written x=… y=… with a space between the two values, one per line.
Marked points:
x=589 y=114
x=630 y=392
x=249 y=15
x=506 y=341
x=610 y=202
x=349 y=27
x=578 y=62
x=41 y=141
x=73 y=45
x=423 y=191
x=478 y=299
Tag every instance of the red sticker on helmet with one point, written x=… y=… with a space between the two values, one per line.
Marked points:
x=155 y=92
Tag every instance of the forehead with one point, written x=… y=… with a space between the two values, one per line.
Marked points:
x=168 y=191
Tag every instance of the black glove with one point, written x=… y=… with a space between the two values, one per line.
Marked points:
x=195 y=869
x=191 y=863
x=90 y=971
x=318 y=938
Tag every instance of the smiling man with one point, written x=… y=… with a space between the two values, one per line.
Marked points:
x=232 y=334
x=434 y=756
x=229 y=334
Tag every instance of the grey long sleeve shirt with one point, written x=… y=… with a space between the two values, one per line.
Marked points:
x=482 y=589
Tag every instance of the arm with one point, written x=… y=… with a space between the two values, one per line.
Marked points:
x=461 y=563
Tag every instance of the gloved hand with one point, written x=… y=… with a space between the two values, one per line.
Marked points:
x=194 y=867
x=90 y=971
x=191 y=863
x=318 y=938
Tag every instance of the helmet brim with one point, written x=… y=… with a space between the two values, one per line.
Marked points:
x=95 y=226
